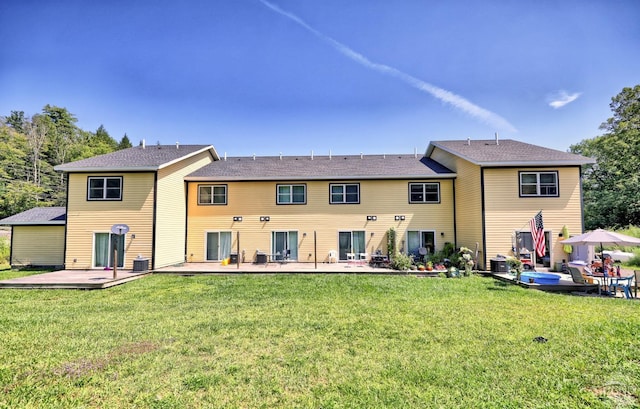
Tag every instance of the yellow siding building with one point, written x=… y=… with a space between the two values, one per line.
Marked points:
x=181 y=204
x=141 y=188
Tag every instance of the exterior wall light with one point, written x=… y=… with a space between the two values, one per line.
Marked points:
x=237 y=218
x=372 y=218
x=399 y=217
x=264 y=218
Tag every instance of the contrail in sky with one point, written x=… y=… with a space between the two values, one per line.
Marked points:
x=443 y=95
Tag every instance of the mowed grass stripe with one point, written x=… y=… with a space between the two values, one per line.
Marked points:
x=316 y=341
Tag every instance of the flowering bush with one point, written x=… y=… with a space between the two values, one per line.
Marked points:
x=466 y=260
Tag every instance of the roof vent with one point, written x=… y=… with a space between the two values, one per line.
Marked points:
x=225 y=156
x=469 y=141
x=280 y=155
x=143 y=144
x=329 y=154
x=177 y=145
x=497 y=140
x=311 y=155
x=361 y=157
x=254 y=156
x=415 y=153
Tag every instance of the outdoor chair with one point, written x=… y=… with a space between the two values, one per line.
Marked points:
x=578 y=278
x=623 y=283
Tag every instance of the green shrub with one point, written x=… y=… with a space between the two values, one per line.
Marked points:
x=391 y=242
x=4 y=250
x=401 y=262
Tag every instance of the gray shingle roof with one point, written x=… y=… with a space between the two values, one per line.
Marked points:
x=149 y=158
x=38 y=216
x=321 y=168
x=507 y=152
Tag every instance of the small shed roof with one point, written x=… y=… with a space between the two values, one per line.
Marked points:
x=38 y=216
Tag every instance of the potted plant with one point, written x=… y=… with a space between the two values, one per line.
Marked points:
x=421 y=267
x=515 y=266
x=429 y=266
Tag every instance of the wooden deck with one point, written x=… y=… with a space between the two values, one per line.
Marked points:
x=72 y=279
x=565 y=285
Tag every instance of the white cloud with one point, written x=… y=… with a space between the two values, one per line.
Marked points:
x=562 y=98
x=443 y=95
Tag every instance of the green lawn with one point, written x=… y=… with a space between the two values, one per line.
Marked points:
x=318 y=341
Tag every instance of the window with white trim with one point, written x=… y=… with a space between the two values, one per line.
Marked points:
x=536 y=184
x=212 y=194
x=424 y=192
x=344 y=193
x=104 y=188
x=291 y=194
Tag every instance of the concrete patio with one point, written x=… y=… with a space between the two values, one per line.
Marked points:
x=72 y=279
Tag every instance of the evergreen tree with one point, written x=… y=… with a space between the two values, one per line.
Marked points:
x=124 y=143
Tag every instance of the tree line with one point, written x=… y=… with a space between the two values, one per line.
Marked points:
x=30 y=146
x=611 y=186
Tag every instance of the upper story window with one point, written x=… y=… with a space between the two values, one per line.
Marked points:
x=212 y=194
x=344 y=193
x=424 y=192
x=104 y=188
x=291 y=194
x=535 y=184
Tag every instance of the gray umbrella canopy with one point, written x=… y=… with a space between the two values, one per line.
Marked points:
x=603 y=238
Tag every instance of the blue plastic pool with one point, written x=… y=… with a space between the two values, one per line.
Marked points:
x=540 y=278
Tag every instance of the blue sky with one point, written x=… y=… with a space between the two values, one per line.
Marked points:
x=291 y=77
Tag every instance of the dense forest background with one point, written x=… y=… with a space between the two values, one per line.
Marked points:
x=30 y=146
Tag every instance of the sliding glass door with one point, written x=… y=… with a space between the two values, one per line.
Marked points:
x=350 y=242
x=218 y=245
x=103 y=249
x=420 y=239
x=283 y=242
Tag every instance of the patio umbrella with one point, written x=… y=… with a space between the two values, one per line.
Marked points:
x=603 y=238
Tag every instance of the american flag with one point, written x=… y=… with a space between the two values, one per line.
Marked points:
x=537 y=234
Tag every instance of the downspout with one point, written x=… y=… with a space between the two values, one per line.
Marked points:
x=186 y=218
x=455 y=214
x=11 y=247
x=484 y=231
x=66 y=221
x=155 y=216
x=581 y=201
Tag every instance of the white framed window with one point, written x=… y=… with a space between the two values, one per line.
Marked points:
x=104 y=188
x=344 y=193
x=212 y=194
x=291 y=194
x=539 y=184
x=424 y=192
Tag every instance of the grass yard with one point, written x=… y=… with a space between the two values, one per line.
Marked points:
x=317 y=341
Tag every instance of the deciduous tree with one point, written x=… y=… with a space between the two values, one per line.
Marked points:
x=612 y=185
